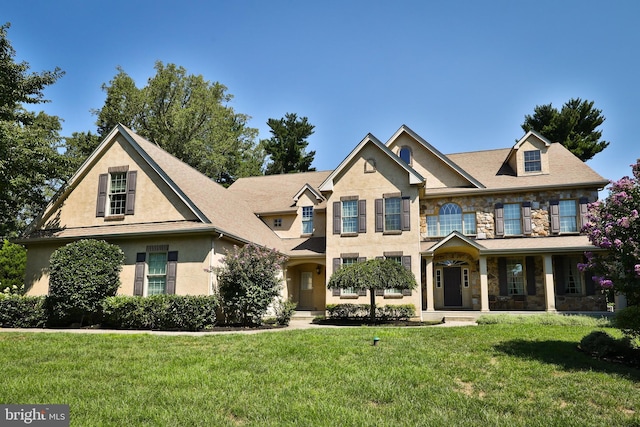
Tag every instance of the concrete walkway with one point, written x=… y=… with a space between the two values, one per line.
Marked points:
x=293 y=325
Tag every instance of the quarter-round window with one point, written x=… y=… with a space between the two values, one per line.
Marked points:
x=405 y=155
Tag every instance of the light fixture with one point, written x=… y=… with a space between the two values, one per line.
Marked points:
x=318 y=269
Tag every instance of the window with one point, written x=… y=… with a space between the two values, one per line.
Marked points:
x=451 y=218
x=349 y=291
x=465 y=277
x=306 y=281
x=567 y=276
x=392 y=214
x=515 y=276
x=568 y=223
x=350 y=216
x=307 y=219
x=512 y=222
x=393 y=291
x=438 y=278
x=116 y=192
x=277 y=223
x=532 y=162
x=157 y=274
x=405 y=155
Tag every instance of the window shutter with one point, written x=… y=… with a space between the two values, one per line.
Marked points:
x=531 y=275
x=526 y=218
x=337 y=218
x=138 y=282
x=362 y=216
x=132 y=177
x=362 y=259
x=589 y=284
x=406 y=214
x=336 y=266
x=362 y=292
x=101 y=205
x=583 y=206
x=502 y=276
x=172 y=266
x=406 y=263
x=379 y=216
x=379 y=292
x=554 y=216
x=558 y=264
x=499 y=214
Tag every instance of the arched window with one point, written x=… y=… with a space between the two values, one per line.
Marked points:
x=450 y=218
x=405 y=155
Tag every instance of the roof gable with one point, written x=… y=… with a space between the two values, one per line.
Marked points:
x=309 y=188
x=413 y=177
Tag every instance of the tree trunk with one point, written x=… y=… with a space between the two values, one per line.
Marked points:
x=372 y=309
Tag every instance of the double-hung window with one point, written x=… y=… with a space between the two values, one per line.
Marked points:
x=512 y=221
x=351 y=290
x=568 y=215
x=307 y=219
x=155 y=271
x=157 y=274
x=394 y=291
x=117 y=193
x=515 y=276
x=532 y=161
x=350 y=216
x=392 y=214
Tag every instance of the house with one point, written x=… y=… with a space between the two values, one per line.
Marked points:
x=481 y=231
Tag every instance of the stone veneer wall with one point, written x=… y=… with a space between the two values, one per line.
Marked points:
x=484 y=207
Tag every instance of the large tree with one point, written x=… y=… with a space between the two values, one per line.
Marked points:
x=371 y=275
x=31 y=168
x=574 y=126
x=287 y=147
x=189 y=117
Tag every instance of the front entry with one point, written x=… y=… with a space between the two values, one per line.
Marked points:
x=305 y=296
x=452 y=286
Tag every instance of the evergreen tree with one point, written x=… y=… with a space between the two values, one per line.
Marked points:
x=286 y=148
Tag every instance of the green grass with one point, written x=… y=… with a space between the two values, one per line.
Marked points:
x=494 y=375
x=544 y=319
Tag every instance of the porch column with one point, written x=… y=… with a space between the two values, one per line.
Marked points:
x=429 y=283
x=549 y=285
x=484 y=285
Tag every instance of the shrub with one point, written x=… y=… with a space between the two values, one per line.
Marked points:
x=249 y=283
x=542 y=319
x=284 y=310
x=19 y=311
x=396 y=312
x=82 y=274
x=165 y=312
x=13 y=263
x=602 y=345
x=361 y=312
x=628 y=320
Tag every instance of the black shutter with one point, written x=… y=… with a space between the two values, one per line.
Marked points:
x=502 y=276
x=138 y=282
x=558 y=267
x=101 y=205
x=589 y=284
x=172 y=266
x=583 y=205
x=554 y=216
x=379 y=216
x=531 y=275
x=526 y=218
x=406 y=214
x=362 y=216
x=131 y=192
x=336 y=266
x=499 y=217
x=337 y=217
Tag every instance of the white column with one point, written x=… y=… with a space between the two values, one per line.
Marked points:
x=484 y=285
x=549 y=285
x=429 y=283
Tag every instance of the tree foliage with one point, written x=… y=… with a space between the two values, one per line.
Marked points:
x=614 y=225
x=31 y=168
x=13 y=263
x=287 y=147
x=371 y=275
x=79 y=147
x=249 y=282
x=574 y=126
x=81 y=275
x=187 y=116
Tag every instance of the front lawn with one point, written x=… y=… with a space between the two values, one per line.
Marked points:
x=508 y=375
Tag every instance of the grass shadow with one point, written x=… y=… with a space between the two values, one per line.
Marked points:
x=565 y=354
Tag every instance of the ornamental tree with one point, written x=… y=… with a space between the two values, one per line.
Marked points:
x=249 y=282
x=614 y=225
x=371 y=275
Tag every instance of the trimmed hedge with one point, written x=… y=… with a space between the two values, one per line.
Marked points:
x=19 y=311
x=164 y=312
x=361 y=311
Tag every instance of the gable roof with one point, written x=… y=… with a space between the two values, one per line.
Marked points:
x=216 y=209
x=413 y=176
x=435 y=152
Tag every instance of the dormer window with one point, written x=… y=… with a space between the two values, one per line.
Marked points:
x=532 y=161
x=405 y=155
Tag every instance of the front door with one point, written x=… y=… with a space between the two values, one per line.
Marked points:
x=305 y=299
x=452 y=286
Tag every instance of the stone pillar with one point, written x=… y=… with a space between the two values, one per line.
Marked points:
x=484 y=285
x=549 y=284
x=429 y=283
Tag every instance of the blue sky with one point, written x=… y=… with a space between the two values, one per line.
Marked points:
x=462 y=74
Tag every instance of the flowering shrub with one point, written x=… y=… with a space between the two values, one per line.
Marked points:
x=614 y=225
x=13 y=262
x=248 y=283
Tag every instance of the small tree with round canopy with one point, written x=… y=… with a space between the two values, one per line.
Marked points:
x=371 y=275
